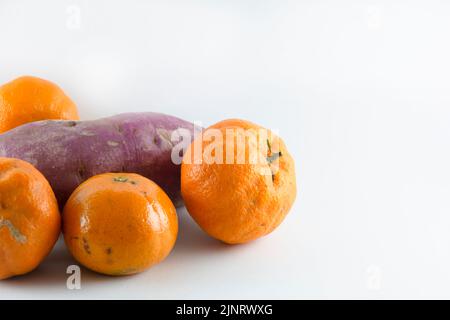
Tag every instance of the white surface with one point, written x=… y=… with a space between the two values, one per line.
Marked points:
x=359 y=90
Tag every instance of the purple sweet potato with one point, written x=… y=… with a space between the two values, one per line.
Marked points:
x=69 y=152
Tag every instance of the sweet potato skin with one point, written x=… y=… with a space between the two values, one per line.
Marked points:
x=69 y=152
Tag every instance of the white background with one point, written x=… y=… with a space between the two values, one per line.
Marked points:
x=359 y=90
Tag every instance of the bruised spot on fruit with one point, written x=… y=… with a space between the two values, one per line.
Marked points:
x=112 y=143
x=109 y=251
x=164 y=135
x=86 y=246
x=87 y=133
x=82 y=171
x=269 y=146
x=70 y=123
x=123 y=179
x=119 y=128
x=15 y=233
x=273 y=157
